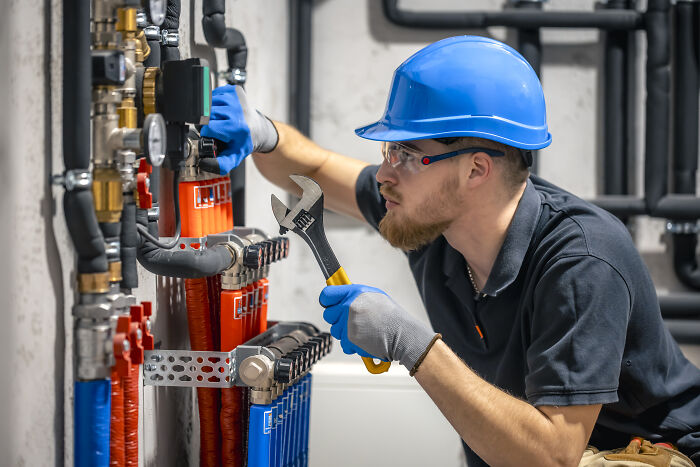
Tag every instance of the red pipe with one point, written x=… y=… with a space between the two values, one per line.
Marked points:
x=199 y=322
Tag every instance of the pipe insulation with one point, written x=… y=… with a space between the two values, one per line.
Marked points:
x=92 y=417
x=77 y=85
x=116 y=427
x=522 y=19
x=199 y=322
x=657 y=21
x=218 y=35
x=189 y=264
x=170 y=23
x=615 y=109
x=685 y=134
x=129 y=240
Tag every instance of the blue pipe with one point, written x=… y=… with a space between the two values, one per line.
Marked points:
x=259 y=434
x=92 y=415
x=307 y=420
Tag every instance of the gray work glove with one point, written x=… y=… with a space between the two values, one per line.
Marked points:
x=243 y=129
x=368 y=322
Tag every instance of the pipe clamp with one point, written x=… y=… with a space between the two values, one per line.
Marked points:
x=169 y=38
x=73 y=179
x=682 y=227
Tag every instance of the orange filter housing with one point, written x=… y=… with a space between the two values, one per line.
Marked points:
x=190 y=209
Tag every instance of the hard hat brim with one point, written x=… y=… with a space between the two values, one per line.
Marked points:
x=381 y=131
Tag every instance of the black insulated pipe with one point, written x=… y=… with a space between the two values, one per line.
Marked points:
x=170 y=23
x=614 y=109
x=657 y=22
x=77 y=85
x=129 y=241
x=680 y=306
x=522 y=19
x=300 y=65
x=530 y=47
x=685 y=135
x=188 y=264
x=218 y=35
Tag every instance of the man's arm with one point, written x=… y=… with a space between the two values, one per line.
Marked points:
x=500 y=428
x=296 y=154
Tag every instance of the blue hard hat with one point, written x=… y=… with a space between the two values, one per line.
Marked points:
x=464 y=86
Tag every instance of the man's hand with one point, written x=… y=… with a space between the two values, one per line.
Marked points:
x=368 y=322
x=234 y=122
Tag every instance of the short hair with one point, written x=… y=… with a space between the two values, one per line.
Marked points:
x=516 y=170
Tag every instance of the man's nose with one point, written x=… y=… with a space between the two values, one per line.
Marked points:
x=386 y=174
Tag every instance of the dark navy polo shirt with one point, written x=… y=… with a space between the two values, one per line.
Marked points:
x=568 y=316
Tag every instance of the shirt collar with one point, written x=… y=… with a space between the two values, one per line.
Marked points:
x=512 y=253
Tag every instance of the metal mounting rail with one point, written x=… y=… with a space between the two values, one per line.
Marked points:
x=190 y=368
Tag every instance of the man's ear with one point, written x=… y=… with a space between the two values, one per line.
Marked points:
x=479 y=168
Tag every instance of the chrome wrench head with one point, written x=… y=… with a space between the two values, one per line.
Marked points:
x=305 y=212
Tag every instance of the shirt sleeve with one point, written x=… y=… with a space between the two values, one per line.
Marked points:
x=577 y=333
x=369 y=200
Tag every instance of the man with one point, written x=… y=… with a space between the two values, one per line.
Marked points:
x=549 y=327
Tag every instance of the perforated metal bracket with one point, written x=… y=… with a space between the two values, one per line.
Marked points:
x=190 y=368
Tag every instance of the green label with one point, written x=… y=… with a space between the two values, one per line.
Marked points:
x=207 y=91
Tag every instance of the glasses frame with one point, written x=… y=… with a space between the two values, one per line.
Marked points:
x=426 y=159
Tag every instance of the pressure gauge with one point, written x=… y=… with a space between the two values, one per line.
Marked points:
x=156 y=11
x=153 y=139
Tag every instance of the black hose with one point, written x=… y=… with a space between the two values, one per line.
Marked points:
x=170 y=23
x=129 y=240
x=680 y=306
x=685 y=135
x=188 y=264
x=524 y=19
x=300 y=65
x=153 y=59
x=614 y=110
x=530 y=47
x=684 y=331
x=658 y=102
x=218 y=35
x=78 y=204
x=84 y=231
x=143 y=229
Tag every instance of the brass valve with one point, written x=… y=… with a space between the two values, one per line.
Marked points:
x=107 y=194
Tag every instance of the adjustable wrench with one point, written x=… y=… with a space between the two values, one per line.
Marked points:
x=306 y=220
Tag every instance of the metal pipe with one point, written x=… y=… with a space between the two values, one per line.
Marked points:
x=523 y=19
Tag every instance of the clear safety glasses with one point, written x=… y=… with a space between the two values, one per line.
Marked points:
x=400 y=155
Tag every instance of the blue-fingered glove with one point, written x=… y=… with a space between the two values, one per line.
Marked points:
x=243 y=129
x=368 y=322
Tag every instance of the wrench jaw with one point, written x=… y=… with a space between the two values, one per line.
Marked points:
x=306 y=220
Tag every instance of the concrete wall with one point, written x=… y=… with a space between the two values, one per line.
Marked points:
x=355 y=51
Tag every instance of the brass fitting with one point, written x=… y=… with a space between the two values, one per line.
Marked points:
x=97 y=282
x=149 y=90
x=107 y=194
x=127 y=113
x=115 y=271
x=142 y=48
x=126 y=21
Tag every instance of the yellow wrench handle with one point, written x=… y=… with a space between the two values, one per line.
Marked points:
x=340 y=278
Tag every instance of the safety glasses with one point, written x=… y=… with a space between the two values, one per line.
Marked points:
x=400 y=155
